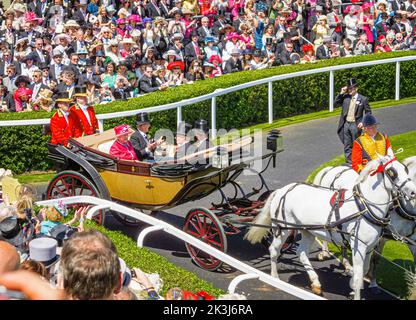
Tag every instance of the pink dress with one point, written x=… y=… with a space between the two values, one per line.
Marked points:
x=368 y=29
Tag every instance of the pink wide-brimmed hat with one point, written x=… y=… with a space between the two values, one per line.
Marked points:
x=31 y=17
x=233 y=35
x=367 y=5
x=121 y=129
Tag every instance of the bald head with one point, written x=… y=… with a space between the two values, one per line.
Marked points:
x=9 y=257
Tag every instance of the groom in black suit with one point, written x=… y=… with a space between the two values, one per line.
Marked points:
x=354 y=106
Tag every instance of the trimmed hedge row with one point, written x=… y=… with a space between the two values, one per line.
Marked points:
x=22 y=149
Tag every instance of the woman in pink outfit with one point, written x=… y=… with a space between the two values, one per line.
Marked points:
x=366 y=20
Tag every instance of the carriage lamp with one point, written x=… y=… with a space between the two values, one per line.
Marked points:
x=274 y=140
x=220 y=159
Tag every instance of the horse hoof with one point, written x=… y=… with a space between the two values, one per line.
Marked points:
x=316 y=290
x=375 y=291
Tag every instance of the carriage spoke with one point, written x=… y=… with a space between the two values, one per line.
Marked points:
x=193 y=224
x=196 y=235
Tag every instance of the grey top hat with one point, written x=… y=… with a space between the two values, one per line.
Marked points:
x=183 y=128
x=44 y=250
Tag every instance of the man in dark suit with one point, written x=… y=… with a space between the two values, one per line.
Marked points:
x=285 y=54
x=146 y=83
x=37 y=84
x=220 y=23
x=41 y=55
x=204 y=30
x=192 y=50
x=142 y=145
x=89 y=74
x=56 y=69
x=241 y=19
x=6 y=61
x=323 y=52
x=80 y=15
x=354 y=106
x=183 y=140
x=153 y=9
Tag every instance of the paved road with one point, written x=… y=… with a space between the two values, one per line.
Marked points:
x=307 y=145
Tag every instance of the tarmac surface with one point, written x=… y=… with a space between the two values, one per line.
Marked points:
x=307 y=146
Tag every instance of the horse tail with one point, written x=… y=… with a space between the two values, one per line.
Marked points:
x=255 y=234
x=320 y=175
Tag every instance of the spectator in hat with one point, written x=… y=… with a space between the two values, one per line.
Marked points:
x=177 y=45
x=309 y=55
x=122 y=88
x=370 y=145
x=193 y=50
x=210 y=49
x=68 y=82
x=44 y=101
x=56 y=67
x=89 y=74
x=202 y=142
x=335 y=22
x=346 y=48
x=351 y=22
x=28 y=66
x=142 y=144
x=354 y=107
x=40 y=55
x=216 y=61
x=7 y=60
x=109 y=76
x=321 y=29
x=86 y=121
x=324 y=50
x=93 y=92
x=205 y=31
x=63 y=123
x=22 y=99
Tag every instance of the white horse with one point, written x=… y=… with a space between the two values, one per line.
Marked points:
x=344 y=177
x=302 y=204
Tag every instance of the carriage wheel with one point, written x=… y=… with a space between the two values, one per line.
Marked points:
x=72 y=183
x=126 y=220
x=204 y=225
x=268 y=238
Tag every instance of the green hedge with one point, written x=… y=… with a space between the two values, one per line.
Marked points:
x=236 y=110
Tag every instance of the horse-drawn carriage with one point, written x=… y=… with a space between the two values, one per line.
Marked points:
x=87 y=168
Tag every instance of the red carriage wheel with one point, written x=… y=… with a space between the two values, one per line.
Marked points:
x=72 y=183
x=204 y=225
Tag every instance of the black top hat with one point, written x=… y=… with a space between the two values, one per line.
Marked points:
x=201 y=124
x=88 y=63
x=369 y=120
x=62 y=96
x=241 y=11
x=43 y=66
x=257 y=53
x=221 y=12
x=21 y=79
x=194 y=33
x=183 y=128
x=352 y=83
x=142 y=117
x=95 y=83
x=11 y=231
x=80 y=91
x=30 y=56
x=269 y=41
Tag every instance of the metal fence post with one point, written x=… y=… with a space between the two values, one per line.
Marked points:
x=331 y=91
x=101 y=125
x=397 y=97
x=270 y=102
x=213 y=117
x=179 y=115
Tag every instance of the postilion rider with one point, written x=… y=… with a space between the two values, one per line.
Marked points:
x=87 y=122
x=63 y=123
x=370 y=145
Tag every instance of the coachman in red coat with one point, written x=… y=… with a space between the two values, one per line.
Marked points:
x=87 y=122
x=63 y=122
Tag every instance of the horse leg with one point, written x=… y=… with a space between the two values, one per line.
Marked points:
x=303 y=251
x=374 y=260
x=324 y=253
x=345 y=262
x=274 y=250
x=358 y=258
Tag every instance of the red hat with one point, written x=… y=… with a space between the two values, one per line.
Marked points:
x=215 y=57
x=175 y=64
x=307 y=47
x=381 y=37
x=233 y=35
x=121 y=129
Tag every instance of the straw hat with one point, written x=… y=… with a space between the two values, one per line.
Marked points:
x=45 y=94
x=128 y=41
x=71 y=23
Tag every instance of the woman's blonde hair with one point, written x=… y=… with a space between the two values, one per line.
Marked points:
x=53 y=215
x=24 y=203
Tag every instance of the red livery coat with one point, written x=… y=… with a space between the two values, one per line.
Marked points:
x=82 y=123
x=123 y=151
x=61 y=130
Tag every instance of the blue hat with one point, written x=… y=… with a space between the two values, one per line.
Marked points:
x=369 y=120
x=209 y=39
x=146 y=20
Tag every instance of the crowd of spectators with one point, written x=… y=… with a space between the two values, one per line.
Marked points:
x=123 y=48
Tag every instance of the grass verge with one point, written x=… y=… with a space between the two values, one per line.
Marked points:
x=389 y=276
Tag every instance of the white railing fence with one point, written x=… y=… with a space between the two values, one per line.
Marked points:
x=220 y=92
x=158 y=225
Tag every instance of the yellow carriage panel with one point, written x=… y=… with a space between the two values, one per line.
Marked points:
x=144 y=190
